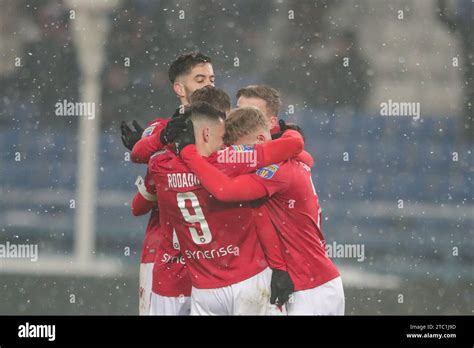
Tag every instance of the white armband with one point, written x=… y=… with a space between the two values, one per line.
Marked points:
x=140 y=184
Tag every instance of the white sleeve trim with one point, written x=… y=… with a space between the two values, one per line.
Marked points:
x=140 y=184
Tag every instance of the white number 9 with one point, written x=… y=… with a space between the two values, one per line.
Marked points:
x=204 y=236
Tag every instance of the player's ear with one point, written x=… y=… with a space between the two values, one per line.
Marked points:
x=205 y=134
x=261 y=138
x=178 y=88
x=273 y=121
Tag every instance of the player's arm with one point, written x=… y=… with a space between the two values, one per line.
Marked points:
x=281 y=284
x=156 y=137
x=306 y=158
x=221 y=186
x=290 y=144
x=148 y=145
x=145 y=198
x=141 y=206
x=145 y=148
x=275 y=151
x=269 y=240
x=151 y=142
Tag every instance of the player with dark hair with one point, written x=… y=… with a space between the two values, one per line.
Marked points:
x=187 y=73
x=190 y=72
x=214 y=96
x=220 y=243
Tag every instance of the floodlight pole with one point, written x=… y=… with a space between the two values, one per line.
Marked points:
x=90 y=27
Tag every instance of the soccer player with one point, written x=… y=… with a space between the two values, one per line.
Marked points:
x=142 y=204
x=164 y=292
x=219 y=242
x=188 y=73
x=174 y=298
x=268 y=100
x=293 y=206
x=265 y=98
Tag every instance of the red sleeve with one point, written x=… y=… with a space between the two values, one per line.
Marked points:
x=274 y=178
x=222 y=187
x=150 y=183
x=269 y=240
x=251 y=157
x=141 y=206
x=290 y=144
x=275 y=129
x=149 y=143
x=306 y=158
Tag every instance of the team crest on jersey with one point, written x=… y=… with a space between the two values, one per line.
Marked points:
x=147 y=132
x=242 y=148
x=267 y=172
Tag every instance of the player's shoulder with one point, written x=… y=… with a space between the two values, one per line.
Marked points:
x=160 y=157
x=166 y=160
x=159 y=120
x=280 y=170
x=270 y=171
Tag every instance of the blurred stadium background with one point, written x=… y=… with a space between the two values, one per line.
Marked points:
x=365 y=163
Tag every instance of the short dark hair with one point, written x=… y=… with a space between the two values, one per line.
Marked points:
x=185 y=62
x=200 y=110
x=270 y=95
x=217 y=97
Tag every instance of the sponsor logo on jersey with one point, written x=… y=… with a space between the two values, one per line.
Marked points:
x=267 y=172
x=167 y=258
x=213 y=253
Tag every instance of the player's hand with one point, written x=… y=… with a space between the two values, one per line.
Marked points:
x=130 y=136
x=281 y=287
x=186 y=137
x=174 y=128
x=285 y=126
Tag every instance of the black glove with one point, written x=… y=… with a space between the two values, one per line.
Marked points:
x=281 y=287
x=185 y=138
x=174 y=127
x=285 y=126
x=130 y=136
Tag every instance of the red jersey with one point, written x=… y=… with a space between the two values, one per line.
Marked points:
x=232 y=252
x=296 y=214
x=172 y=280
x=152 y=229
x=218 y=240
